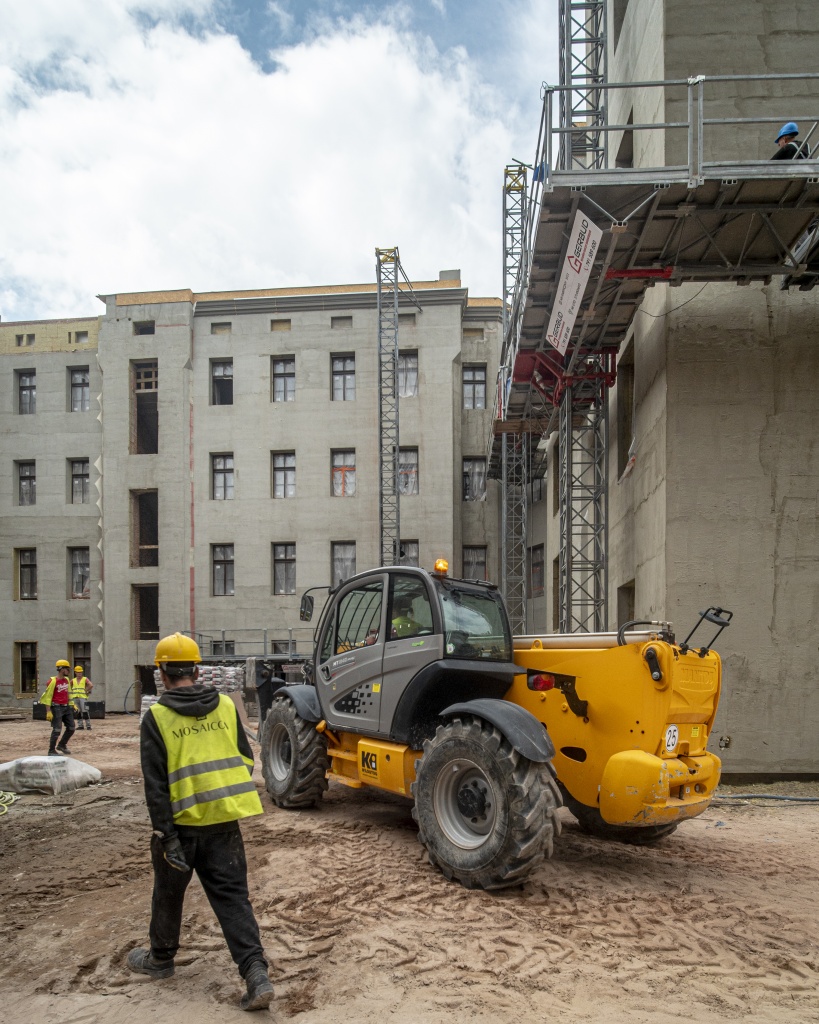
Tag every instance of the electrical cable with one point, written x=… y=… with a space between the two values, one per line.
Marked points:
x=125 y=703
x=659 y=316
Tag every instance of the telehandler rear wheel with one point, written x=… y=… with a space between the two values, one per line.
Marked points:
x=591 y=820
x=294 y=757
x=486 y=815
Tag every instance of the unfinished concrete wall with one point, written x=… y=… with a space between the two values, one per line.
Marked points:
x=743 y=499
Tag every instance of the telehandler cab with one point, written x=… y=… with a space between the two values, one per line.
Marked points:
x=417 y=687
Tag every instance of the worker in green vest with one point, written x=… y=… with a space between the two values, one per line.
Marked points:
x=79 y=691
x=196 y=765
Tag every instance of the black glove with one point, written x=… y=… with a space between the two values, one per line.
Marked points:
x=172 y=852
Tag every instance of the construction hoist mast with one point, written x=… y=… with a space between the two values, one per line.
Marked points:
x=582 y=435
x=388 y=268
x=515 y=461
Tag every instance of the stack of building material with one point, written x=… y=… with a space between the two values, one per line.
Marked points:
x=224 y=678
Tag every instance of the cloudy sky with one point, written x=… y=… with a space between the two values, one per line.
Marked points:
x=219 y=144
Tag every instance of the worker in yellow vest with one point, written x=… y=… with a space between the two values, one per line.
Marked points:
x=79 y=692
x=60 y=709
x=197 y=765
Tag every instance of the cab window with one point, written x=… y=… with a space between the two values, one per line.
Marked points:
x=359 y=618
x=410 y=609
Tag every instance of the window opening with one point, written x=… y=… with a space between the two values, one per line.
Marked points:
x=145 y=408
x=284 y=568
x=284 y=379
x=27 y=662
x=407 y=471
x=407 y=374
x=81 y=337
x=222 y=477
x=222 y=570
x=27 y=563
x=343 y=561
x=343 y=378
x=26 y=483
x=474 y=381
x=625 y=408
x=80 y=390
x=145 y=612
x=536 y=571
x=80 y=574
x=341 y=322
x=27 y=392
x=144 y=528
x=284 y=474
x=474 y=560
x=409 y=553
x=474 y=479
x=80 y=476
x=343 y=473
x=280 y=325
x=221 y=374
x=221 y=328
x=144 y=327
x=81 y=655
x=625 y=603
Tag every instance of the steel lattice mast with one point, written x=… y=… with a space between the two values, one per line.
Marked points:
x=388 y=268
x=583 y=46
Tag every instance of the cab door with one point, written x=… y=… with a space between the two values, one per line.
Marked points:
x=351 y=651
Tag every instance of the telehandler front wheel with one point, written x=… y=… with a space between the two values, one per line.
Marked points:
x=486 y=815
x=591 y=820
x=294 y=757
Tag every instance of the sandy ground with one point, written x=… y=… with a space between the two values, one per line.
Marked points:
x=719 y=922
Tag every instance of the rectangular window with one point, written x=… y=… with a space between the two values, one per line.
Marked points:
x=79 y=563
x=343 y=378
x=406 y=319
x=536 y=571
x=222 y=560
x=284 y=568
x=343 y=560
x=407 y=471
x=26 y=667
x=408 y=553
x=625 y=408
x=23 y=339
x=474 y=559
x=279 y=325
x=221 y=328
x=474 y=379
x=80 y=475
x=221 y=472
x=144 y=408
x=223 y=647
x=475 y=333
x=144 y=327
x=536 y=490
x=474 y=479
x=284 y=475
x=145 y=612
x=26 y=392
x=80 y=390
x=144 y=528
x=343 y=479
x=407 y=374
x=81 y=337
x=221 y=382
x=27 y=569
x=341 y=322
x=81 y=655
x=26 y=483
x=625 y=603
x=284 y=379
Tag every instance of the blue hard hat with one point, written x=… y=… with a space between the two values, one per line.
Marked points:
x=791 y=128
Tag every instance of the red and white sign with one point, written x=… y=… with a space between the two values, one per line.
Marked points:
x=584 y=242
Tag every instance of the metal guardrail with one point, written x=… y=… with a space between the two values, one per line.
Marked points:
x=554 y=165
x=246 y=643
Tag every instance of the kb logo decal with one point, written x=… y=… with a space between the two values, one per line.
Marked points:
x=369 y=763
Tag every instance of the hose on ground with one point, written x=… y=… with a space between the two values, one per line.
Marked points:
x=767 y=796
x=125 y=703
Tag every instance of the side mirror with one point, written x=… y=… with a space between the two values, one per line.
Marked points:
x=306 y=608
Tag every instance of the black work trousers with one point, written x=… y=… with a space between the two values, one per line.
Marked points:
x=219 y=861
x=62 y=714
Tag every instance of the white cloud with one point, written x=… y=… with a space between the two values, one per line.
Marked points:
x=174 y=161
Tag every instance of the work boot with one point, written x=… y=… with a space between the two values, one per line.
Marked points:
x=259 y=990
x=140 y=961
x=88 y=725
x=64 y=751
x=53 y=753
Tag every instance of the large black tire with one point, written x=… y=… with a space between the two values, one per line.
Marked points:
x=486 y=815
x=591 y=821
x=294 y=757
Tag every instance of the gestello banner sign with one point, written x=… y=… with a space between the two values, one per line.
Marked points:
x=584 y=242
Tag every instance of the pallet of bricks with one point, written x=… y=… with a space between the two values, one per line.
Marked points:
x=224 y=678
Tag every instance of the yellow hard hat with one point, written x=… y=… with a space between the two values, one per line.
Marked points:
x=78 y=668
x=177 y=647
x=62 y=663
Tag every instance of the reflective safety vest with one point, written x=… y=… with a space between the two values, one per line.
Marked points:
x=77 y=687
x=209 y=778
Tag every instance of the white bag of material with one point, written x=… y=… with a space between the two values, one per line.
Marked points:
x=46 y=774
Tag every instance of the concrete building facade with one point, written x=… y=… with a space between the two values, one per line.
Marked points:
x=713 y=463
x=236 y=439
